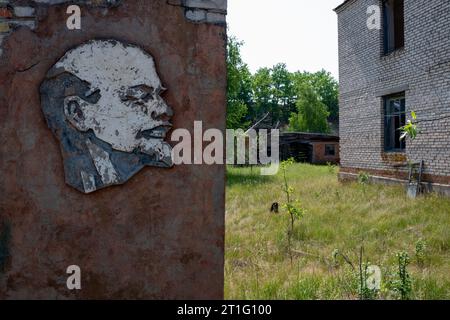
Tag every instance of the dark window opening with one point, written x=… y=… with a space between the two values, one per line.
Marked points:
x=394 y=119
x=394 y=25
x=330 y=150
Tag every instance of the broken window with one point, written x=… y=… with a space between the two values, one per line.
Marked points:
x=394 y=119
x=330 y=150
x=394 y=25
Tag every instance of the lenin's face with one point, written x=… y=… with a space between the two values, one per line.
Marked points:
x=102 y=101
x=130 y=114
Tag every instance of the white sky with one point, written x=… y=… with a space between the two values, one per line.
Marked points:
x=301 y=33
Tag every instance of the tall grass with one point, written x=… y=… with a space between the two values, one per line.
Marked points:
x=338 y=216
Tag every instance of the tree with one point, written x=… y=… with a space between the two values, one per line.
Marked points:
x=263 y=94
x=328 y=90
x=324 y=85
x=278 y=92
x=312 y=114
x=273 y=92
x=239 y=93
x=283 y=91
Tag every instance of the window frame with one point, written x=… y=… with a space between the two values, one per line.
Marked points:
x=334 y=150
x=387 y=127
x=398 y=44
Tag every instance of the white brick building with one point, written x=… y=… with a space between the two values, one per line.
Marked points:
x=387 y=72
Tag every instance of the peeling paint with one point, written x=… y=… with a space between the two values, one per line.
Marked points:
x=103 y=164
x=88 y=182
x=121 y=106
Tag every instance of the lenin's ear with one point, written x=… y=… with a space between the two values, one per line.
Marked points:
x=74 y=110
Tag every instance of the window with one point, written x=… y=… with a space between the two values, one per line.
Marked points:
x=394 y=119
x=330 y=150
x=394 y=25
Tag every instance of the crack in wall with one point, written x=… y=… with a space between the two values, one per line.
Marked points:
x=28 y=68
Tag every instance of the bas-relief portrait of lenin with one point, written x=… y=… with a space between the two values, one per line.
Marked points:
x=102 y=101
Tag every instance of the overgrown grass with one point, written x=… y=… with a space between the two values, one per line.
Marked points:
x=339 y=216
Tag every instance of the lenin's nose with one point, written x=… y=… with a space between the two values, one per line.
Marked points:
x=163 y=112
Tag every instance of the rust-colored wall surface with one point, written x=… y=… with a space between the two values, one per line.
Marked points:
x=160 y=235
x=319 y=153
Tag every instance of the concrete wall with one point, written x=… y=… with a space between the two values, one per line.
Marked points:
x=421 y=69
x=159 y=235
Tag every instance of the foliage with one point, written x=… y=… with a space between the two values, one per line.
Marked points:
x=363 y=178
x=239 y=93
x=325 y=86
x=312 y=114
x=236 y=113
x=273 y=92
x=365 y=293
x=331 y=167
x=420 y=251
x=262 y=95
x=410 y=130
x=361 y=274
x=277 y=91
x=292 y=206
x=284 y=95
x=402 y=283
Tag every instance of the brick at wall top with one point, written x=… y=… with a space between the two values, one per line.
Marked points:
x=5 y=13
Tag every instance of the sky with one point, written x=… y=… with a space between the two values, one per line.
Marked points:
x=300 y=33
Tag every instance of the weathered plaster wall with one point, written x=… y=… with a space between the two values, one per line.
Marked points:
x=421 y=69
x=161 y=235
x=17 y=13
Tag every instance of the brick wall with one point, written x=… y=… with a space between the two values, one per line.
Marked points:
x=421 y=69
x=319 y=155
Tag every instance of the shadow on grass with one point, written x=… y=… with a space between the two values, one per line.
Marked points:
x=246 y=176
